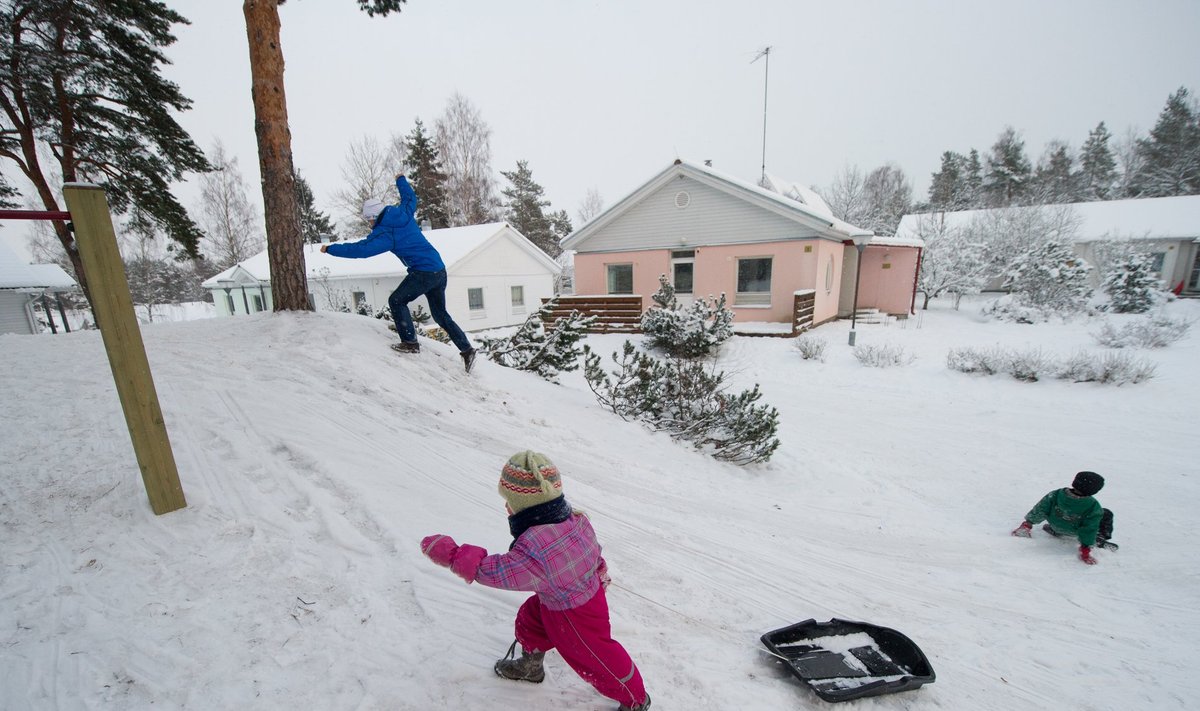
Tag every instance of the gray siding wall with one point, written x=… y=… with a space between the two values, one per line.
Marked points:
x=711 y=217
x=12 y=313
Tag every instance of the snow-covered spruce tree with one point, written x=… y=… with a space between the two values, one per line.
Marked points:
x=688 y=332
x=541 y=350
x=1050 y=278
x=687 y=401
x=1131 y=284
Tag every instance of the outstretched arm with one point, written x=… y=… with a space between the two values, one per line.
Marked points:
x=408 y=196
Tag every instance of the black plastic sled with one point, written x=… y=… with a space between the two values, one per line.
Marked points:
x=842 y=660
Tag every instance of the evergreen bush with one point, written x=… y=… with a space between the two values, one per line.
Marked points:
x=541 y=350
x=687 y=401
x=688 y=332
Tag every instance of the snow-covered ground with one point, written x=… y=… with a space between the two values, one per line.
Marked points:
x=314 y=459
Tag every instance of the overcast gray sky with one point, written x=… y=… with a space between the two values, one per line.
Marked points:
x=606 y=94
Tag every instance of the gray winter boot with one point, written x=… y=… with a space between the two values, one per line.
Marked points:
x=644 y=706
x=527 y=668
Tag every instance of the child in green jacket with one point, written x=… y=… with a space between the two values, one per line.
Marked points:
x=1074 y=511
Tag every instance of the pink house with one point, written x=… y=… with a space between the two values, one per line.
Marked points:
x=759 y=245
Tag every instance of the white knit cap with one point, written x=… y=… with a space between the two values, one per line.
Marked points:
x=371 y=208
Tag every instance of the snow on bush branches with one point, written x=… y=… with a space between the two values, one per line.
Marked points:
x=688 y=332
x=541 y=350
x=687 y=401
x=1033 y=365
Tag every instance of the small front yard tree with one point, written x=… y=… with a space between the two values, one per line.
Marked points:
x=687 y=332
x=538 y=349
x=1131 y=283
x=1050 y=278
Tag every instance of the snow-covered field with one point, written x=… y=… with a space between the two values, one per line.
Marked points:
x=314 y=459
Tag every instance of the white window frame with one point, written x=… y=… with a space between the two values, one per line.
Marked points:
x=608 y=277
x=516 y=295
x=760 y=299
x=676 y=261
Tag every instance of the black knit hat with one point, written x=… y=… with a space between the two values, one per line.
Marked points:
x=1088 y=483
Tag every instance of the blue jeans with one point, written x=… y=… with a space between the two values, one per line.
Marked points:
x=431 y=285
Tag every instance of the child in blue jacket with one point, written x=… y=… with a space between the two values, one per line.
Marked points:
x=394 y=229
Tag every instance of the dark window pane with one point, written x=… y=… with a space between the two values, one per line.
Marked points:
x=683 y=277
x=754 y=275
x=620 y=278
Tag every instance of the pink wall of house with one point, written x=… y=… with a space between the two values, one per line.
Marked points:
x=795 y=265
x=887 y=278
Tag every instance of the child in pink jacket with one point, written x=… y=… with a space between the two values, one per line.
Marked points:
x=555 y=555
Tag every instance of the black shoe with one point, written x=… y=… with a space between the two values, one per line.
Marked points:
x=1107 y=545
x=405 y=347
x=1046 y=527
x=644 y=706
x=527 y=668
x=468 y=359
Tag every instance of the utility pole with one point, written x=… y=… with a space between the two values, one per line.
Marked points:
x=764 y=53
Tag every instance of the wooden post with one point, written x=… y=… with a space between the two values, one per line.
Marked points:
x=97 y=244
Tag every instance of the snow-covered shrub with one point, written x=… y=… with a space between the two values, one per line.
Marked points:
x=1121 y=368
x=538 y=349
x=688 y=332
x=811 y=347
x=1033 y=365
x=1131 y=284
x=687 y=401
x=1029 y=365
x=883 y=356
x=1081 y=367
x=1049 y=278
x=419 y=314
x=1151 y=332
x=988 y=361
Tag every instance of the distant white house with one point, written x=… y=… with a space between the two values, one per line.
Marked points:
x=495 y=277
x=1168 y=228
x=21 y=285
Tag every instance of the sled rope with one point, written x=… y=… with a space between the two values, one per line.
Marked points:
x=724 y=633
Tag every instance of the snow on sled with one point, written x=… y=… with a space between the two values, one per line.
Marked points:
x=842 y=660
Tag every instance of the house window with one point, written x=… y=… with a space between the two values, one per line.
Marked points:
x=360 y=299
x=518 y=296
x=1156 y=262
x=475 y=299
x=229 y=304
x=258 y=303
x=829 y=275
x=753 y=282
x=683 y=265
x=620 y=278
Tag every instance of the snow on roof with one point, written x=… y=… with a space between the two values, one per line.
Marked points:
x=15 y=274
x=788 y=193
x=453 y=243
x=1167 y=218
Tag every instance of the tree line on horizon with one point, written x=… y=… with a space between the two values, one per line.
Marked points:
x=1163 y=163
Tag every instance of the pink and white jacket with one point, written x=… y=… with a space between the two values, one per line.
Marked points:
x=561 y=562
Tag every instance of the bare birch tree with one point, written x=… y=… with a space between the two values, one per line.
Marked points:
x=591 y=205
x=229 y=221
x=368 y=171
x=464 y=139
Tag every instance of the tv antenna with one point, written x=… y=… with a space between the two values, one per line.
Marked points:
x=764 y=54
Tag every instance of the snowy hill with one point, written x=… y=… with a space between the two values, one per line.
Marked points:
x=314 y=459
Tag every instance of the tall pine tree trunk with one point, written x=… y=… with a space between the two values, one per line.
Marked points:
x=285 y=244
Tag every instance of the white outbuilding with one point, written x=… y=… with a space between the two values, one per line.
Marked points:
x=22 y=285
x=495 y=277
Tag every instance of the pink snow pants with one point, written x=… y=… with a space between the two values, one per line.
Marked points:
x=583 y=637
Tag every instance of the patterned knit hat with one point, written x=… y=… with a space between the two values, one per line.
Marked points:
x=1088 y=483
x=371 y=208
x=528 y=479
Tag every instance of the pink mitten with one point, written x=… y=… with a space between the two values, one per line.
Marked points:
x=440 y=549
x=466 y=561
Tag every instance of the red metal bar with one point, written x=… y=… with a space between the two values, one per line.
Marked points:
x=34 y=215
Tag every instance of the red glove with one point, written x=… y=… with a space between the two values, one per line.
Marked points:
x=440 y=549
x=1085 y=554
x=1023 y=530
x=466 y=561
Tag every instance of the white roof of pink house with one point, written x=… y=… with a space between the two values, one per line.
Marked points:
x=1169 y=218
x=789 y=199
